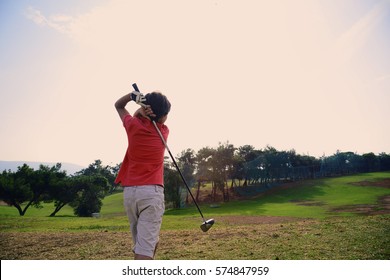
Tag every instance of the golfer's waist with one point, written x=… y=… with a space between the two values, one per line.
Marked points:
x=144 y=186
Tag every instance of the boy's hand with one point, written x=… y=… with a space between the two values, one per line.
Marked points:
x=138 y=97
x=145 y=111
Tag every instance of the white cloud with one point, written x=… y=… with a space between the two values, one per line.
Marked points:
x=61 y=18
x=351 y=41
x=36 y=16
x=60 y=23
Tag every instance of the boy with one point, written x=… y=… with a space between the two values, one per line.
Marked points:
x=142 y=170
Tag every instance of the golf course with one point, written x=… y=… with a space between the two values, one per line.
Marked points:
x=339 y=218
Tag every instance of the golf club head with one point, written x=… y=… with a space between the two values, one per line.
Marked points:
x=205 y=226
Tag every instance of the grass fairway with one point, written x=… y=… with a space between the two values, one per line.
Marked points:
x=334 y=218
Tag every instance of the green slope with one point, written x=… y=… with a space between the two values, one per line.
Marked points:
x=307 y=199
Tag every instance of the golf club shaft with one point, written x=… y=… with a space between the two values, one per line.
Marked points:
x=174 y=161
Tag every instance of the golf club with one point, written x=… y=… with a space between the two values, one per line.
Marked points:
x=207 y=224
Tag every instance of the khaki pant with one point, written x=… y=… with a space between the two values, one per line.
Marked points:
x=145 y=207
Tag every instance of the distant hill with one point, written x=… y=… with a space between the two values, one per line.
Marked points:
x=70 y=168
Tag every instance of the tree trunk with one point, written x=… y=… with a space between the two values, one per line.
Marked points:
x=21 y=213
x=213 y=191
x=197 y=192
x=227 y=190
x=58 y=208
x=27 y=206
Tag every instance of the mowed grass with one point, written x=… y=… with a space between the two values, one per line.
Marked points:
x=334 y=238
x=296 y=221
x=306 y=199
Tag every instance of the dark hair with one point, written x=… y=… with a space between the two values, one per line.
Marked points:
x=159 y=103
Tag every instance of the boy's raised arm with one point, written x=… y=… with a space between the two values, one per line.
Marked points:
x=120 y=105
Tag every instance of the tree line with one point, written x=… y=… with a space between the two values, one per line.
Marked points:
x=83 y=191
x=229 y=170
x=246 y=170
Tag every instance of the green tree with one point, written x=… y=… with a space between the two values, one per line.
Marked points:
x=44 y=181
x=204 y=168
x=187 y=164
x=30 y=187
x=15 y=190
x=106 y=171
x=243 y=154
x=371 y=162
x=384 y=161
x=65 y=192
x=173 y=186
x=92 y=189
x=222 y=169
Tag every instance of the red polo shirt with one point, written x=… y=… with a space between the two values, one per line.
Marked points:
x=144 y=160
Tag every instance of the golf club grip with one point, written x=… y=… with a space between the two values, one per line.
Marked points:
x=135 y=87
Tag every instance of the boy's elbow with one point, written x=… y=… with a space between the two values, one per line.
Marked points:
x=117 y=105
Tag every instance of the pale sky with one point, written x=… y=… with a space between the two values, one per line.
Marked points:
x=309 y=75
